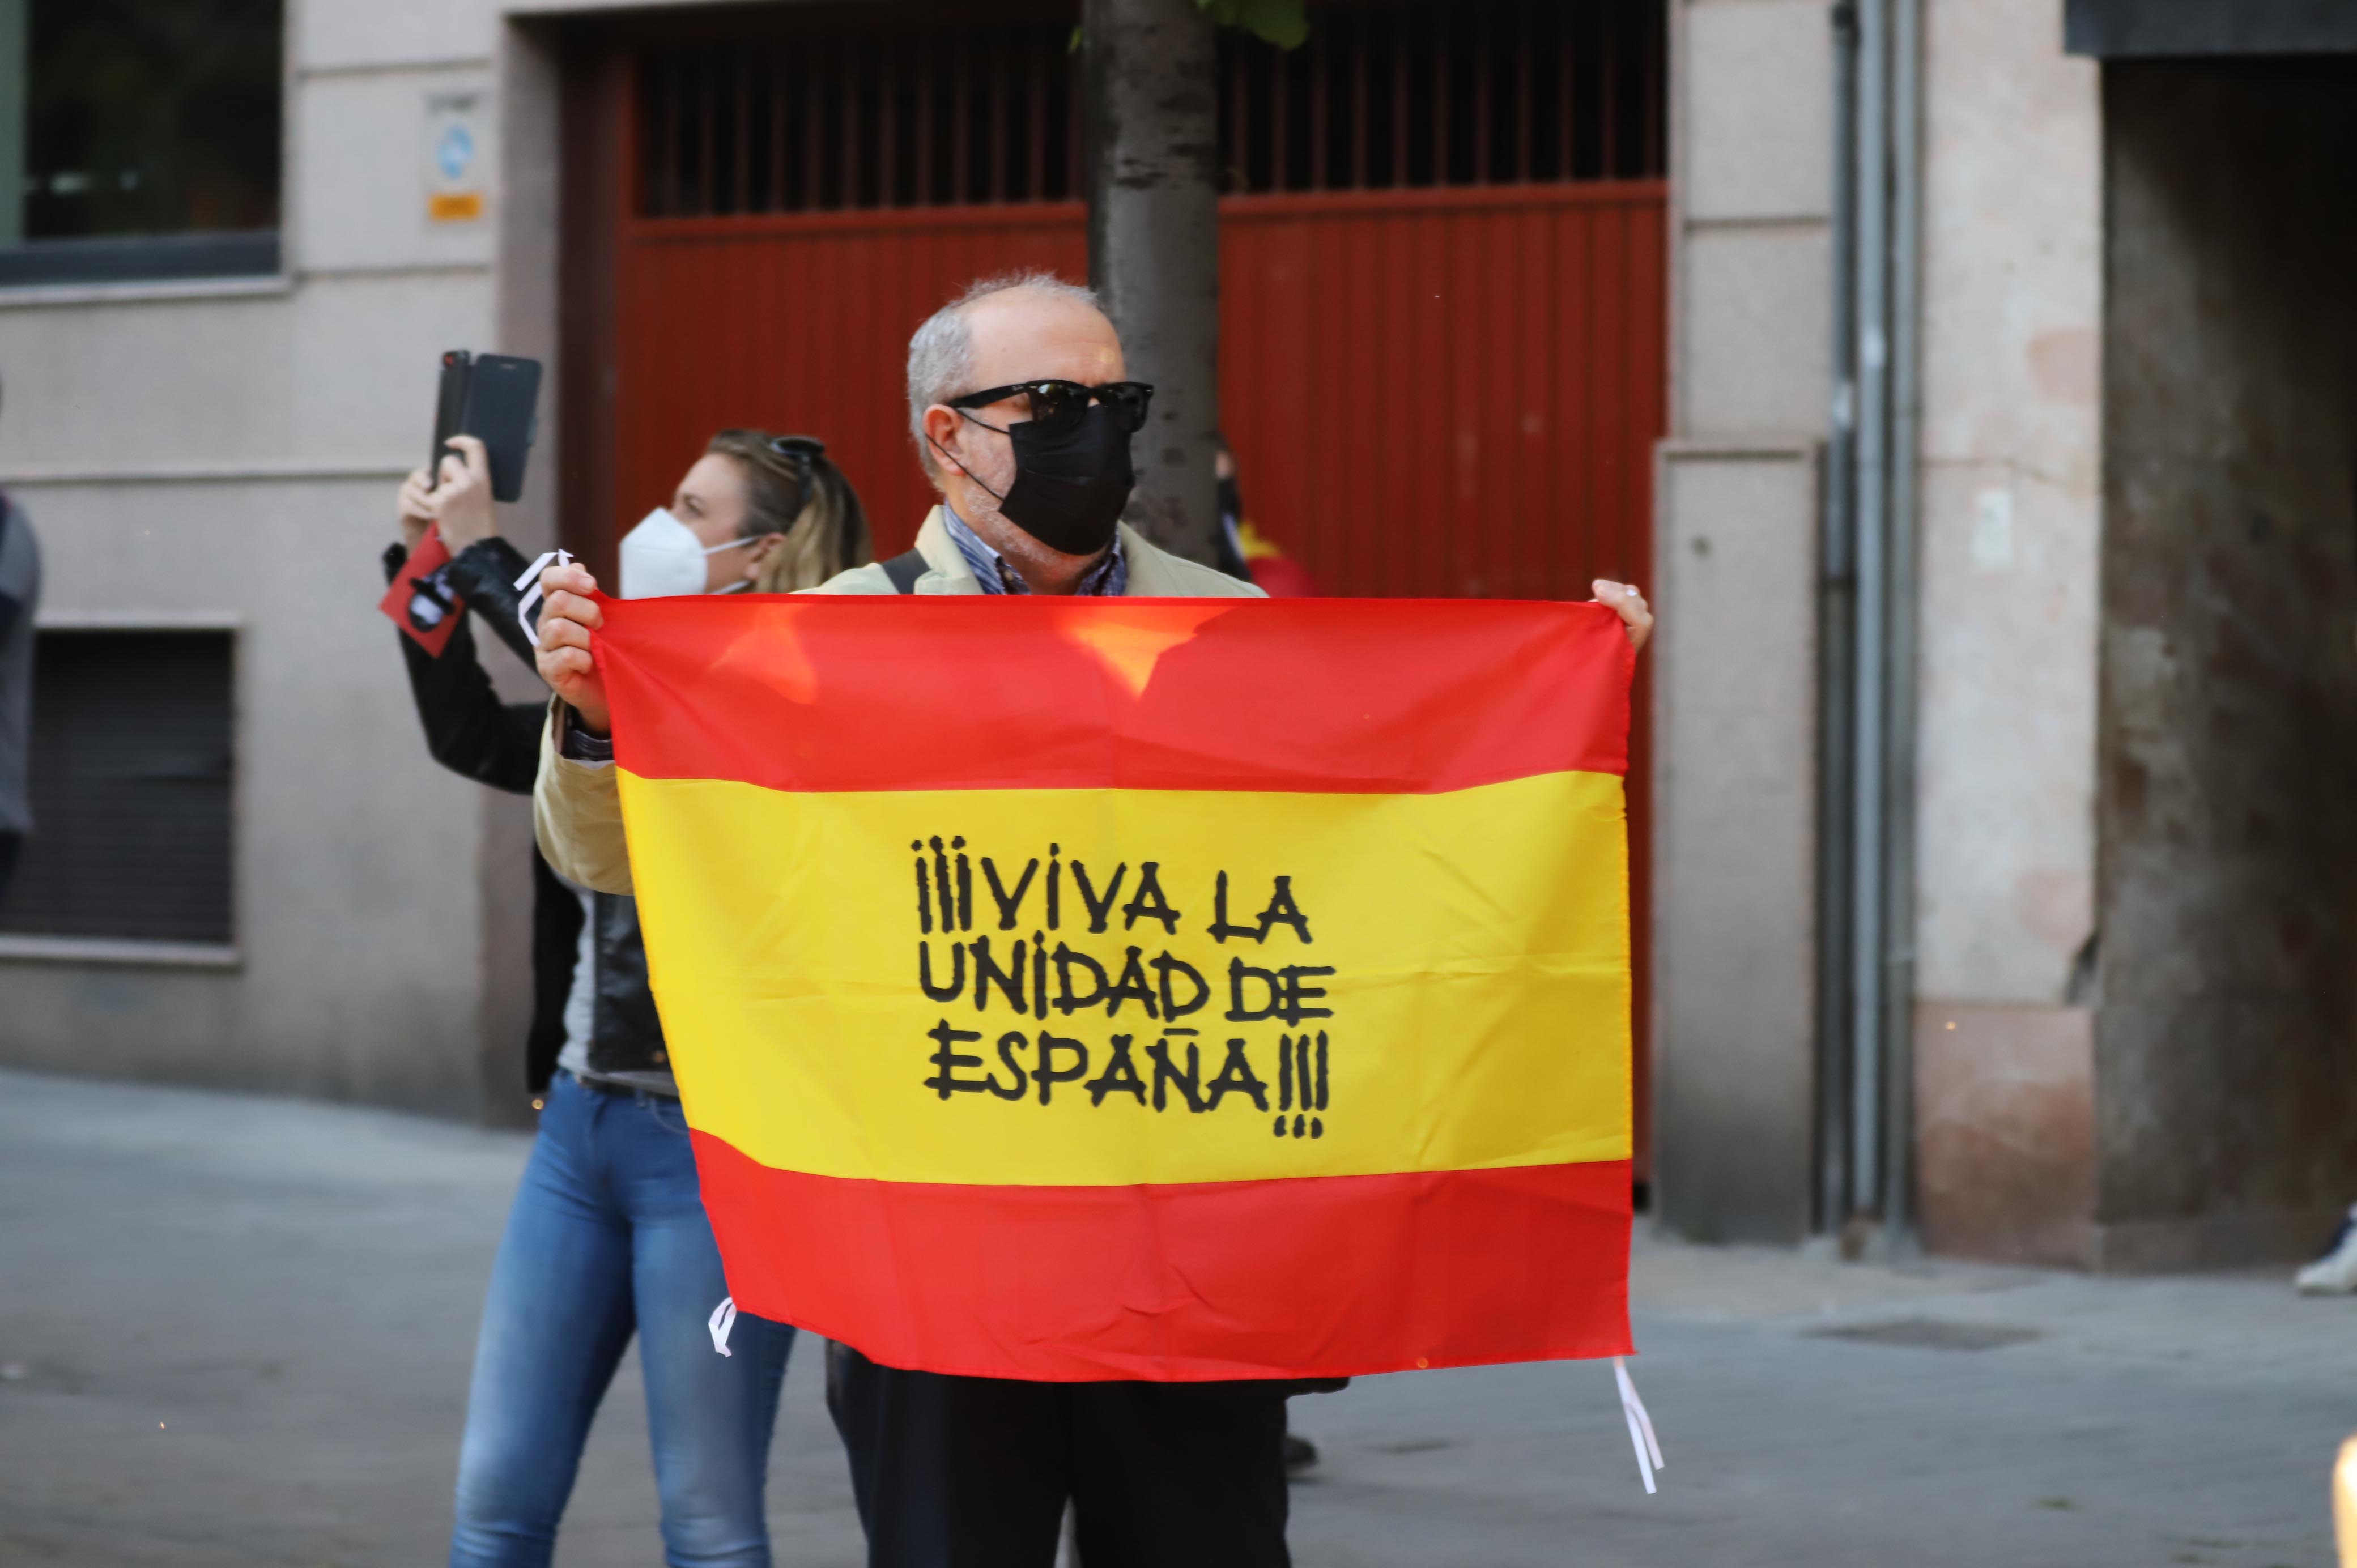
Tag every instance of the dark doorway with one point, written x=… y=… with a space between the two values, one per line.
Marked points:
x=2226 y=1038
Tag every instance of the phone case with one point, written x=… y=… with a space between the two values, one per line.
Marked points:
x=503 y=403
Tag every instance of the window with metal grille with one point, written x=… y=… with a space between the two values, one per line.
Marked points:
x=131 y=776
x=856 y=112
x=1406 y=93
x=829 y=118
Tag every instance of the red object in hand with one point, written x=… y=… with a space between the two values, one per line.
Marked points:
x=420 y=601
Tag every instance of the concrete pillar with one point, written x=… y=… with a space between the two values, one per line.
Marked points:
x=2011 y=521
x=1734 y=1013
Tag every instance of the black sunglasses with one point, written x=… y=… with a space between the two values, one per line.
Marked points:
x=804 y=452
x=1059 y=405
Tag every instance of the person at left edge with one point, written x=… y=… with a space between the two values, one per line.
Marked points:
x=608 y=1234
x=20 y=597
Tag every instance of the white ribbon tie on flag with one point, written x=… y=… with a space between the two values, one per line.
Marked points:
x=1641 y=1426
x=724 y=1318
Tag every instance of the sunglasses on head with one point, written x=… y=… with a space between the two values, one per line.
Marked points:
x=1059 y=405
x=803 y=452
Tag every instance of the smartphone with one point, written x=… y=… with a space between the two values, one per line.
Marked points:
x=449 y=407
x=497 y=400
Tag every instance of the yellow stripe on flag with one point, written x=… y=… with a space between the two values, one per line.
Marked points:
x=1478 y=1000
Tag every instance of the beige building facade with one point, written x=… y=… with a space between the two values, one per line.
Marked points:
x=222 y=454
x=2120 y=938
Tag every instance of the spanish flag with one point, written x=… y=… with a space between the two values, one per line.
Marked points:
x=1077 y=988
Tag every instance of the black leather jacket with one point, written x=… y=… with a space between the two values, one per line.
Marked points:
x=469 y=731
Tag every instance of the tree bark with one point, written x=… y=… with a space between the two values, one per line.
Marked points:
x=1151 y=86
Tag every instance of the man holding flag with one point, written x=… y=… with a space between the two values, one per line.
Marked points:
x=1169 y=1448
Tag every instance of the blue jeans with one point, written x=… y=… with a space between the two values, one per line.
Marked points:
x=608 y=1236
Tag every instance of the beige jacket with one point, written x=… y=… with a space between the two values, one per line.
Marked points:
x=578 y=812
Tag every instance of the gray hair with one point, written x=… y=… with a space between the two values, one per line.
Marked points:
x=940 y=355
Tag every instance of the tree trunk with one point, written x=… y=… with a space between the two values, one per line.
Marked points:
x=1152 y=103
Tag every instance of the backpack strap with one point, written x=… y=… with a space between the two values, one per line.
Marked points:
x=904 y=569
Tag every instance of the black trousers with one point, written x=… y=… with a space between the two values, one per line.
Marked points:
x=973 y=1472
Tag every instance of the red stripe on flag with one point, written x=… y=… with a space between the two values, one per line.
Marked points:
x=1332 y=1276
x=848 y=692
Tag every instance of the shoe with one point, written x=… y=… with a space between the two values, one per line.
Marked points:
x=2335 y=1273
x=1300 y=1454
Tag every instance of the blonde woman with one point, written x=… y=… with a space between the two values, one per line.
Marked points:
x=607 y=1239
x=764 y=513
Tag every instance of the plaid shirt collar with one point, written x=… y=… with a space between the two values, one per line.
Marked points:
x=1109 y=578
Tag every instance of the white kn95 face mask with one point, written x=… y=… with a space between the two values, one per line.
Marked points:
x=663 y=558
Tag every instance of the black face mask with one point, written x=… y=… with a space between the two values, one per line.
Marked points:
x=1070 y=485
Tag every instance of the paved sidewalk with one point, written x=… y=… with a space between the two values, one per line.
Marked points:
x=236 y=1331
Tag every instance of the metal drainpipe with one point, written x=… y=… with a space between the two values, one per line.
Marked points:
x=1867 y=811
x=1868 y=716
x=1837 y=633
x=1900 y=621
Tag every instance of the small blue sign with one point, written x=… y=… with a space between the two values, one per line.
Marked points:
x=455 y=152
